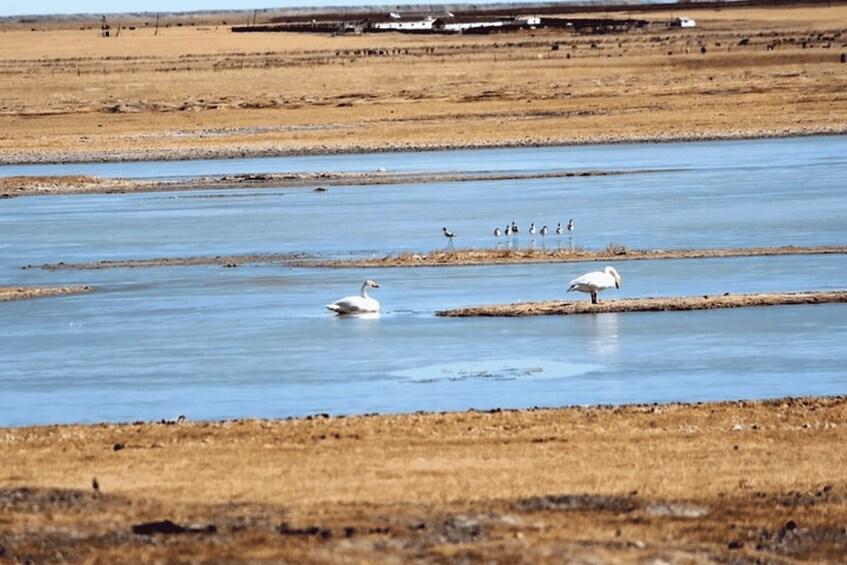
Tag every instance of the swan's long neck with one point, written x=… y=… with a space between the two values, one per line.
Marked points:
x=615 y=275
x=364 y=291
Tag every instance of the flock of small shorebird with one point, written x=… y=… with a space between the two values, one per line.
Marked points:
x=589 y=283
x=513 y=230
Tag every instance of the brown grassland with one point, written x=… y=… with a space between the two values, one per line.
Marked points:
x=721 y=482
x=202 y=91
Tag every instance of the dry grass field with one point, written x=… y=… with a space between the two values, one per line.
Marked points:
x=724 y=482
x=196 y=91
x=740 y=482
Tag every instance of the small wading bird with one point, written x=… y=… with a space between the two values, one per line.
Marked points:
x=515 y=229
x=559 y=229
x=360 y=304
x=508 y=230
x=448 y=234
x=532 y=229
x=543 y=231
x=497 y=232
x=596 y=281
x=570 y=225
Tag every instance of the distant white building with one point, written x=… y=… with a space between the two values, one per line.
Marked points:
x=529 y=21
x=400 y=24
x=475 y=24
x=459 y=27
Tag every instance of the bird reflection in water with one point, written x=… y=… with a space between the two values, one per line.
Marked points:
x=361 y=315
x=602 y=333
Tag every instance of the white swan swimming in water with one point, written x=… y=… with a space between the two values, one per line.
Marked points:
x=596 y=281
x=357 y=304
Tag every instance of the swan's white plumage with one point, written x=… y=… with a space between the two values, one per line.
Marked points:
x=357 y=304
x=596 y=281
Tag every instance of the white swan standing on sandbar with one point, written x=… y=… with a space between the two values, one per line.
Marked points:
x=360 y=304
x=596 y=281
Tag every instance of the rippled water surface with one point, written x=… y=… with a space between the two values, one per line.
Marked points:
x=211 y=342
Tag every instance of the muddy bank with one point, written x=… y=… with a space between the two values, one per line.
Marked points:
x=696 y=483
x=664 y=304
x=25 y=293
x=459 y=257
x=47 y=185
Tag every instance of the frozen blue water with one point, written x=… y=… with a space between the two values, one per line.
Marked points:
x=753 y=155
x=212 y=342
x=788 y=195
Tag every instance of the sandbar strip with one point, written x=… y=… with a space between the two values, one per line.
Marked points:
x=11 y=187
x=465 y=257
x=229 y=261
x=458 y=257
x=660 y=304
x=26 y=293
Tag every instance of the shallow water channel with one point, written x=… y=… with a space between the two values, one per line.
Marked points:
x=210 y=342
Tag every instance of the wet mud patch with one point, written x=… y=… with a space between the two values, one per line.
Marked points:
x=795 y=541
x=572 y=502
x=25 y=499
x=170 y=527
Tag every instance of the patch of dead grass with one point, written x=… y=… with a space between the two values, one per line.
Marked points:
x=689 y=482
